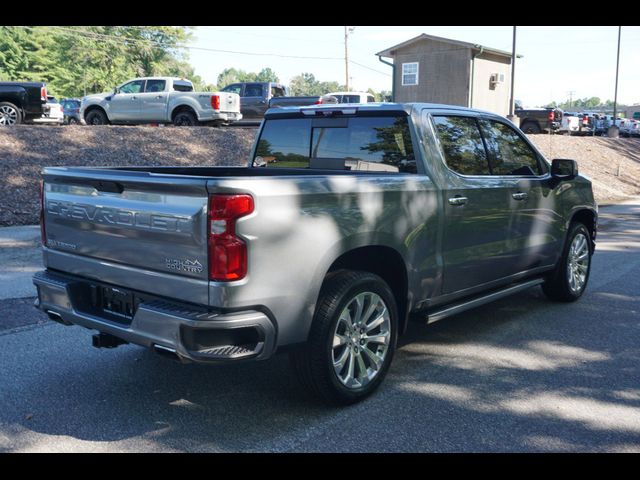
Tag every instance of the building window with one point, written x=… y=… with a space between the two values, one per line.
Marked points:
x=410 y=73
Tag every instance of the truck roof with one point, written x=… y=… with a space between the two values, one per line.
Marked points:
x=24 y=84
x=375 y=107
x=178 y=79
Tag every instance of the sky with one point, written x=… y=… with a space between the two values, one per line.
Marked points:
x=556 y=60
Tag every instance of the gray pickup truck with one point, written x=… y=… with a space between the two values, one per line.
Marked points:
x=347 y=221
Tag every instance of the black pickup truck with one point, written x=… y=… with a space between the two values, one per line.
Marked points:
x=22 y=102
x=537 y=120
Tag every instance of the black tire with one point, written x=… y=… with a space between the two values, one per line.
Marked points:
x=10 y=114
x=530 y=127
x=313 y=363
x=72 y=121
x=557 y=285
x=96 y=117
x=185 y=118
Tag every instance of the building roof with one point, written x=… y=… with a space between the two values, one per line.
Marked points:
x=473 y=46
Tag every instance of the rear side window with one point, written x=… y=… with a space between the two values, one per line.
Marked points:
x=253 y=90
x=509 y=153
x=370 y=99
x=381 y=144
x=462 y=145
x=155 y=86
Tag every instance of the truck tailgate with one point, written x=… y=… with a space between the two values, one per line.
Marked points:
x=229 y=102
x=139 y=220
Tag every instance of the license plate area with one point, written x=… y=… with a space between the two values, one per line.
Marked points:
x=117 y=302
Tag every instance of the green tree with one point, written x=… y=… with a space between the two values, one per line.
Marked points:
x=74 y=60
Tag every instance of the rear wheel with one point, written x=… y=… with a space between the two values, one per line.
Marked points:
x=352 y=339
x=530 y=127
x=73 y=121
x=96 y=117
x=569 y=279
x=185 y=118
x=9 y=114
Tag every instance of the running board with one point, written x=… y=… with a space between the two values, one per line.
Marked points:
x=453 y=309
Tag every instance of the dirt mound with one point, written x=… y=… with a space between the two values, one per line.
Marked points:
x=612 y=164
x=26 y=149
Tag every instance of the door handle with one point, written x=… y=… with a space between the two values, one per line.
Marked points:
x=159 y=96
x=520 y=196
x=458 y=200
x=134 y=98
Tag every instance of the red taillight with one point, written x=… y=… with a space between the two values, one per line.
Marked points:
x=43 y=232
x=43 y=93
x=215 y=102
x=227 y=252
x=552 y=116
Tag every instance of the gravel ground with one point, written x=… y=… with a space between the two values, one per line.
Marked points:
x=26 y=149
x=612 y=164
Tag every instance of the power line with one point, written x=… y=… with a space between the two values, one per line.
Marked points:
x=277 y=37
x=369 y=68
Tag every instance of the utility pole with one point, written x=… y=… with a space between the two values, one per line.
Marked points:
x=614 y=131
x=570 y=93
x=347 y=32
x=513 y=73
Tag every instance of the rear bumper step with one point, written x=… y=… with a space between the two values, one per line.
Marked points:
x=189 y=333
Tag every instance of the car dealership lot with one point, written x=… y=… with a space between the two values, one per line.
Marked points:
x=522 y=374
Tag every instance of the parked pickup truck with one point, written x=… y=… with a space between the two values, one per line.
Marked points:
x=346 y=222
x=538 y=120
x=22 y=102
x=160 y=100
x=257 y=97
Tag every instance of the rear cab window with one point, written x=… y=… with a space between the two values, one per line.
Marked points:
x=462 y=145
x=360 y=143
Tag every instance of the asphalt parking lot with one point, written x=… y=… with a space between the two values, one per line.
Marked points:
x=522 y=374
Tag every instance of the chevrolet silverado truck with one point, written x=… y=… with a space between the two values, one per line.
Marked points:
x=347 y=221
x=22 y=102
x=160 y=100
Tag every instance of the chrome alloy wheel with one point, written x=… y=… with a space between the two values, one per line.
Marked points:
x=361 y=340
x=8 y=115
x=578 y=264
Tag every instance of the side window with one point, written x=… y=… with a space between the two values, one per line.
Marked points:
x=235 y=88
x=509 y=153
x=155 y=86
x=462 y=145
x=277 y=92
x=410 y=73
x=253 y=90
x=370 y=99
x=132 y=87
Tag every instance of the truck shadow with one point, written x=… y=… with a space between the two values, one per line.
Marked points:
x=522 y=374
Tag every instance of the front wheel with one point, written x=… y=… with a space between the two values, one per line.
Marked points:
x=352 y=338
x=569 y=279
x=96 y=117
